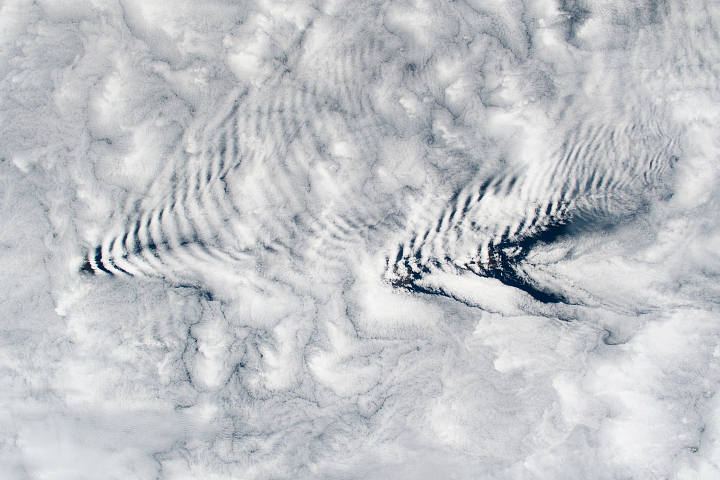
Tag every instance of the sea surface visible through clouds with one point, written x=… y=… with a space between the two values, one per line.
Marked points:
x=359 y=240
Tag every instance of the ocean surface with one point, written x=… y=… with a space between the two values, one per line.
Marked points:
x=359 y=240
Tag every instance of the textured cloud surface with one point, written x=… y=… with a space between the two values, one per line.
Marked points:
x=359 y=240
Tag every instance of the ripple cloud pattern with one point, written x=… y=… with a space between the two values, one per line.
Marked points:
x=339 y=240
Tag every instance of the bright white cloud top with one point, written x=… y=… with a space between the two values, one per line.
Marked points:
x=359 y=240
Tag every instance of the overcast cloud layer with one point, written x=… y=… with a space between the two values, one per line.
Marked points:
x=422 y=240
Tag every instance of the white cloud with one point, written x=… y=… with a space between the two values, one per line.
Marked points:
x=344 y=221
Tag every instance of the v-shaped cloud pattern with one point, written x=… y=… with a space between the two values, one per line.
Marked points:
x=360 y=239
x=290 y=164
